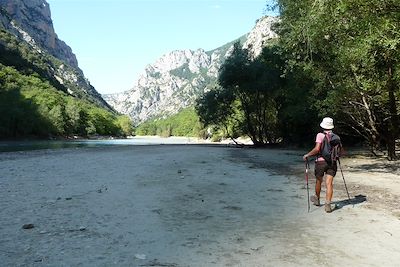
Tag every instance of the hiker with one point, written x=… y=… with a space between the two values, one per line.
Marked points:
x=323 y=167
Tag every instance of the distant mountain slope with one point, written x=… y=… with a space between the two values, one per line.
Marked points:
x=43 y=93
x=28 y=43
x=176 y=79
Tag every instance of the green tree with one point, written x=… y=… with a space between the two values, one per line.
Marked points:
x=125 y=124
x=247 y=95
x=102 y=121
x=351 y=48
x=184 y=123
x=77 y=117
x=148 y=128
x=219 y=110
x=19 y=114
x=57 y=117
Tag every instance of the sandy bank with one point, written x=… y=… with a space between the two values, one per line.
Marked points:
x=191 y=205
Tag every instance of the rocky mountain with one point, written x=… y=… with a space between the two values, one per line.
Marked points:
x=26 y=25
x=176 y=79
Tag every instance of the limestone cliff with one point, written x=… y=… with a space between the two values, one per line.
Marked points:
x=176 y=79
x=34 y=18
x=29 y=23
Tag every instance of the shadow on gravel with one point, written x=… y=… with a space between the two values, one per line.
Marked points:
x=353 y=201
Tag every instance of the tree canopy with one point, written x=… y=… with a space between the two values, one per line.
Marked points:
x=244 y=102
x=332 y=58
x=32 y=107
x=351 y=48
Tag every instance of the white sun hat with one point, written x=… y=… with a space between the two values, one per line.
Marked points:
x=327 y=123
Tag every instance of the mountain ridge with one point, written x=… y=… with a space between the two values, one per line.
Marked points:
x=176 y=79
x=27 y=26
x=34 y=17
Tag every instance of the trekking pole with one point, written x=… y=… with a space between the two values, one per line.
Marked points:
x=308 y=190
x=340 y=166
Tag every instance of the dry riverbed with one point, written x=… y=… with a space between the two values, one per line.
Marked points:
x=192 y=205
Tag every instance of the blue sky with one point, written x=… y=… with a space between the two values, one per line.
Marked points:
x=114 y=40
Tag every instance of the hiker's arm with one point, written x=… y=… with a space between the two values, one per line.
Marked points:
x=313 y=151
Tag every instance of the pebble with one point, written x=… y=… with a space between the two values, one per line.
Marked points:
x=140 y=256
x=28 y=226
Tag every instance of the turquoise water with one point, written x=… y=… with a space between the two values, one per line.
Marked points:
x=8 y=146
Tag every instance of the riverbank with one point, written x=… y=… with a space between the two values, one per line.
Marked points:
x=24 y=145
x=192 y=205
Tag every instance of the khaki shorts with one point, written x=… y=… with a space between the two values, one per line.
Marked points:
x=322 y=168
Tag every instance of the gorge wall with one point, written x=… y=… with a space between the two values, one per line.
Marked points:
x=29 y=23
x=176 y=79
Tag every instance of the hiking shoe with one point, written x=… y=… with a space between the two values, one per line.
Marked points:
x=328 y=207
x=315 y=200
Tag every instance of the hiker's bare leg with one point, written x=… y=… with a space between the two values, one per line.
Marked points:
x=329 y=188
x=318 y=184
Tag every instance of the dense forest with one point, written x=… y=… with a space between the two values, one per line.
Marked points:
x=333 y=58
x=32 y=107
x=184 y=123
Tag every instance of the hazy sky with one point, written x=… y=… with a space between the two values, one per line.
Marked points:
x=114 y=40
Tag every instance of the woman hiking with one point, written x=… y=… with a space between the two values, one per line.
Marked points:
x=323 y=167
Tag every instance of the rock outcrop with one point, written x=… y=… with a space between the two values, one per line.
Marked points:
x=32 y=22
x=176 y=79
x=29 y=21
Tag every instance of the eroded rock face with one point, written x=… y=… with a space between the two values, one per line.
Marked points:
x=33 y=17
x=30 y=21
x=261 y=33
x=171 y=83
x=176 y=79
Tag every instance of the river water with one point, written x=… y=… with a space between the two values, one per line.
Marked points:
x=8 y=146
